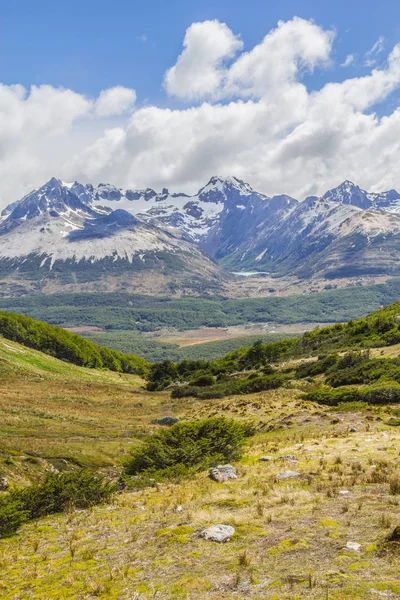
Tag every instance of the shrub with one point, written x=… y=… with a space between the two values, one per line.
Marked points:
x=203 y=381
x=373 y=395
x=59 y=491
x=162 y=375
x=394 y=486
x=11 y=516
x=195 y=445
x=227 y=387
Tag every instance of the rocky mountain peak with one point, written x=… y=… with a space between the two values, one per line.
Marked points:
x=218 y=188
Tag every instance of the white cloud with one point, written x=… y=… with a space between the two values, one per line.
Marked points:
x=200 y=69
x=142 y=37
x=115 y=101
x=257 y=121
x=349 y=60
x=372 y=54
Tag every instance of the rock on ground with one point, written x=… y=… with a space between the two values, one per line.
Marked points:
x=353 y=546
x=223 y=473
x=168 y=421
x=218 y=533
x=289 y=475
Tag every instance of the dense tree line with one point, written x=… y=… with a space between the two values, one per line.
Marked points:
x=67 y=346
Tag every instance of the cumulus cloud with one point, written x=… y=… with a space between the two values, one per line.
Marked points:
x=200 y=69
x=115 y=101
x=249 y=113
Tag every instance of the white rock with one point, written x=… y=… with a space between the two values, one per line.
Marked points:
x=355 y=546
x=218 y=533
x=223 y=473
x=344 y=493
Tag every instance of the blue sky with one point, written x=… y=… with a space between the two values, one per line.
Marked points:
x=89 y=45
x=293 y=97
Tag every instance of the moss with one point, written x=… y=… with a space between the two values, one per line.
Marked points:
x=178 y=534
x=291 y=545
x=329 y=523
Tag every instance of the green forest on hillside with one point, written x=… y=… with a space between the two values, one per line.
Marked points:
x=126 y=317
x=249 y=370
x=134 y=342
x=148 y=313
x=67 y=346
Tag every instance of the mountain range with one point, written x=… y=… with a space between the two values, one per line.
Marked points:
x=68 y=234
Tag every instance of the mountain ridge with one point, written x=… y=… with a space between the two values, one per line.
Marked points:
x=226 y=223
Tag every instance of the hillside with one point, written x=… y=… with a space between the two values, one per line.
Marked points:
x=291 y=535
x=66 y=346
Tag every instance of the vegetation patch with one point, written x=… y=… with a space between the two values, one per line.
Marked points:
x=188 y=447
x=56 y=493
x=67 y=346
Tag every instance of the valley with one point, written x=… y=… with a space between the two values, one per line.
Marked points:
x=324 y=533
x=199 y=300
x=139 y=324
x=162 y=317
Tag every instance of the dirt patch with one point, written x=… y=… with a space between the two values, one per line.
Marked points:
x=85 y=329
x=203 y=335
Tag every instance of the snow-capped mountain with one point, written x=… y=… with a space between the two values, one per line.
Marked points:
x=327 y=238
x=218 y=219
x=191 y=216
x=52 y=235
x=349 y=193
x=78 y=228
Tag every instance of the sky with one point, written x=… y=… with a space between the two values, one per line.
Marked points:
x=293 y=97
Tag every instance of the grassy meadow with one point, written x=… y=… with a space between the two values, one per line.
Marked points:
x=290 y=539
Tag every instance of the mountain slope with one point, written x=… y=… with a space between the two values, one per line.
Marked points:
x=347 y=232
x=67 y=346
x=331 y=239
x=52 y=237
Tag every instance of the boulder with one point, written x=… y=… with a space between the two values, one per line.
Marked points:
x=166 y=421
x=223 y=473
x=3 y=484
x=355 y=546
x=218 y=533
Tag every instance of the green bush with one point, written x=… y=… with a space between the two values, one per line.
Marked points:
x=388 y=394
x=59 y=491
x=12 y=516
x=203 y=381
x=230 y=386
x=162 y=375
x=188 y=446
